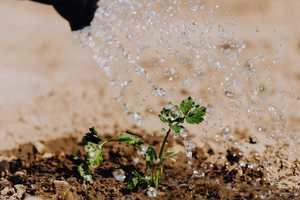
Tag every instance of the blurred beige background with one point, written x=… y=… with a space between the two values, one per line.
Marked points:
x=51 y=87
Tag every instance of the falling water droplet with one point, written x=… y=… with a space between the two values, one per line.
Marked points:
x=159 y=92
x=170 y=73
x=260 y=129
x=187 y=83
x=189 y=148
x=119 y=175
x=143 y=149
x=137 y=119
x=152 y=192
x=184 y=133
x=226 y=131
x=139 y=70
x=189 y=145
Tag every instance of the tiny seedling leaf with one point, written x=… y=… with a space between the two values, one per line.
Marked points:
x=169 y=154
x=150 y=157
x=94 y=154
x=165 y=115
x=186 y=105
x=136 y=180
x=85 y=172
x=172 y=115
x=130 y=139
x=176 y=128
x=196 y=115
x=76 y=159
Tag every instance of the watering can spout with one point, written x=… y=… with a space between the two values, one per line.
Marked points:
x=79 y=13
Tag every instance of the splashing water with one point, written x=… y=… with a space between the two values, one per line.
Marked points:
x=158 y=51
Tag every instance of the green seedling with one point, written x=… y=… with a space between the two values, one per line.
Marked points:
x=93 y=147
x=175 y=116
x=188 y=111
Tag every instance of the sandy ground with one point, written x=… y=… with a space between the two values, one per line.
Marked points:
x=51 y=87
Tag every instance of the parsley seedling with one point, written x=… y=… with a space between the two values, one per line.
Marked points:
x=93 y=147
x=175 y=116
x=188 y=111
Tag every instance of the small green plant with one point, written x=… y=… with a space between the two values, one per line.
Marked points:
x=93 y=147
x=173 y=115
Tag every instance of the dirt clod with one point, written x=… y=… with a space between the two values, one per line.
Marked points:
x=233 y=155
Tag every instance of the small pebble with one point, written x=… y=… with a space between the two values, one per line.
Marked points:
x=40 y=147
x=21 y=190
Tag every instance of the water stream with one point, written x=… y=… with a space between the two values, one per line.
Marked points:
x=156 y=51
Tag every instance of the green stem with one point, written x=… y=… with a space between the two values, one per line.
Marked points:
x=159 y=166
x=164 y=144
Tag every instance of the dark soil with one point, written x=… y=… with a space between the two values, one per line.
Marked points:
x=50 y=174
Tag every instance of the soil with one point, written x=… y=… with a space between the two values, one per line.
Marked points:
x=46 y=170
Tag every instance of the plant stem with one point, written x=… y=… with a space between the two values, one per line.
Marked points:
x=163 y=144
x=159 y=166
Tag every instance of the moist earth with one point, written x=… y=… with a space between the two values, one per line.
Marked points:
x=46 y=170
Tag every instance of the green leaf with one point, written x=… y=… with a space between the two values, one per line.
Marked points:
x=186 y=105
x=136 y=180
x=94 y=154
x=169 y=154
x=196 y=115
x=150 y=157
x=171 y=115
x=91 y=136
x=76 y=159
x=165 y=115
x=176 y=128
x=130 y=139
x=85 y=172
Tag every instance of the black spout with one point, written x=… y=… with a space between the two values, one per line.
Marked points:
x=79 y=13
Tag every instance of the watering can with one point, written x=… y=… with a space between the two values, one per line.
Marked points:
x=79 y=13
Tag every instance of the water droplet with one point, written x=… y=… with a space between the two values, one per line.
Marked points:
x=275 y=113
x=119 y=175
x=159 y=92
x=125 y=83
x=260 y=129
x=139 y=70
x=271 y=109
x=184 y=132
x=137 y=119
x=261 y=88
x=189 y=155
x=189 y=145
x=143 y=149
x=226 y=131
x=152 y=192
x=187 y=83
x=170 y=106
x=170 y=73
